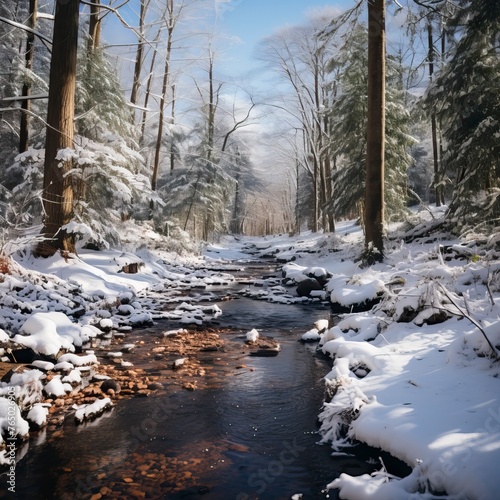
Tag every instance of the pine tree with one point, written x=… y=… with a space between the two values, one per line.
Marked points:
x=465 y=98
x=349 y=123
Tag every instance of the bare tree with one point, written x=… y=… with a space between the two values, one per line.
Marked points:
x=172 y=16
x=26 y=91
x=300 y=58
x=139 y=58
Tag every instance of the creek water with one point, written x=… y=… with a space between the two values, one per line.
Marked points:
x=250 y=433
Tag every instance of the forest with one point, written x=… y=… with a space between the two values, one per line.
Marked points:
x=211 y=268
x=94 y=133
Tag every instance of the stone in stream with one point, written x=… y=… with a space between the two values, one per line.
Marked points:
x=112 y=385
x=305 y=287
x=178 y=363
x=265 y=347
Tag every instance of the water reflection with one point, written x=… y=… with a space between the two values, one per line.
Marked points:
x=250 y=434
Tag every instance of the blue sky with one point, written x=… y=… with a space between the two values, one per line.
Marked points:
x=241 y=24
x=252 y=20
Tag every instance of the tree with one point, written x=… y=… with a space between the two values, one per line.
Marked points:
x=140 y=52
x=434 y=127
x=349 y=126
x=374 y=188
x=466 y=100
x=300 y=57
x=57 y=185
x=26 y=91
x=171 y=20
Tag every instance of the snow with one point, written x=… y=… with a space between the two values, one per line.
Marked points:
x=55 y=388
x=12 y=424
x=49 y=333
x=425 y=390
x=415 y=376
x=90 y=411
x=347 y=295
x=311 y=335
x=252 y=335
x=38 y=414
x=79 y=360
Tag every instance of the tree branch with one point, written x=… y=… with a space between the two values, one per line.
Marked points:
x=25 y=28
x=472 y=320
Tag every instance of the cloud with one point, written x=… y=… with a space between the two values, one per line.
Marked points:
x=222 y=6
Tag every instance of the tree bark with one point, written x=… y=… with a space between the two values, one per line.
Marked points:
x=166 y=75
x=435 y=146
x=172 y=142
x=57 y=185
x=139 y=54
x=374 y=185
x=94 y=40
x=148 y=89
x=26 y=92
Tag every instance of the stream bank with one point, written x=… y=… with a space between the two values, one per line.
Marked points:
x=223 y=425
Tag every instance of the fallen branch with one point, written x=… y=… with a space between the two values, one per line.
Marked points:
x=492 y=300
x=472 y=320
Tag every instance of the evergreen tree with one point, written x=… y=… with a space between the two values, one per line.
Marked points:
x=14 y=76
x=465 y=98
x=349 y=123
x=101 y=107
x=349 y=113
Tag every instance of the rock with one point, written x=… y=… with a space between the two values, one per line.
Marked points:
x=110 y=384
x=8 y=369
x=178 y=363
x=266 y=347
x=305 y=287
x=25 y=355
x=154 y=386
x=357 y=307
x=264 y=353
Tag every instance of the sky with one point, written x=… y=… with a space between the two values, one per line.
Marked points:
x=241 y=24
x=246 y=22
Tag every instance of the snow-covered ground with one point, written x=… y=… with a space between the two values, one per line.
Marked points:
x=417 y=375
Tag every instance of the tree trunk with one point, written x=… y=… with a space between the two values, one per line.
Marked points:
x=94 y=40
x=26 y=92
x=57 y=186
x=374 y=186
x=211 y=109
x=435 y=147
x=297 y=197
x=139 y=54
x=166 y=75
x=148 y=90
x=172 y=142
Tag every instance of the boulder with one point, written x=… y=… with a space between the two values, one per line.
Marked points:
x=305 y=287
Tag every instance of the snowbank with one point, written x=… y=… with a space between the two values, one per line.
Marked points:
x=426 y=391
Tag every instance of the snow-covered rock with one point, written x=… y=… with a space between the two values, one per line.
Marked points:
x=37 y=416
x=55 y=388
x=252 y=336
x=50 y=333
x=93 y=410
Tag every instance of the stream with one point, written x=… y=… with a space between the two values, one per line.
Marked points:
x=250 y=432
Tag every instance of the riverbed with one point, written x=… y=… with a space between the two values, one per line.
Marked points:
x=245 y=428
